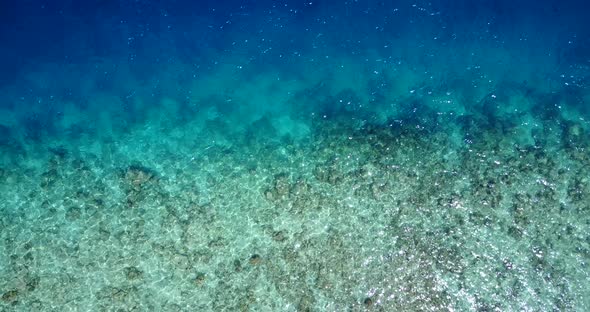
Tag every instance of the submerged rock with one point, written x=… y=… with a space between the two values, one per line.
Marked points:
x=255 y=259
x=137 y=180
x=199 y=280
x=138 y=175
x=49 y=178
x=574 y=134
x=280 y=189
x=133 y=273
x=327 y=173
x=10 y=296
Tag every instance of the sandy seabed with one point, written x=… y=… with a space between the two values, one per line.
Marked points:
x=354 y=217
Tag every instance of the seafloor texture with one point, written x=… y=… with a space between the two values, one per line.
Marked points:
x=356 y=216
x=293 y=165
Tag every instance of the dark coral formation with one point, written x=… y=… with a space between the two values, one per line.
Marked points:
x=137 y=180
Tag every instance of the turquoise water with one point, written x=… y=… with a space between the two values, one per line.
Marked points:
x=295 y=156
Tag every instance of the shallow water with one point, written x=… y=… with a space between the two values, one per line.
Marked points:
x=295 y=156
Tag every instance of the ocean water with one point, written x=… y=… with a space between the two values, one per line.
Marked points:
x=317 y=155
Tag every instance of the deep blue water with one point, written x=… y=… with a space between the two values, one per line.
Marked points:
x=454 y=41
x=543 y=40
